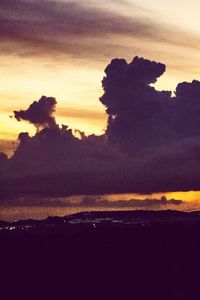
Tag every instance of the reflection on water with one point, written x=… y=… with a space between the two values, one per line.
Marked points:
x=38 y=212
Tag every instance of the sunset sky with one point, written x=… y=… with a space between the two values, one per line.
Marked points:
x=61 y=48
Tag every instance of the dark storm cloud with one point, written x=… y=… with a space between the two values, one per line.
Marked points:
x=140 y=116
x=78 y=29
x=152 y=142
x=3 y=157
x=39 y=113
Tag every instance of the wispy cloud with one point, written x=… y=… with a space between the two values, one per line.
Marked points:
x=78 y=29
x=89 y=114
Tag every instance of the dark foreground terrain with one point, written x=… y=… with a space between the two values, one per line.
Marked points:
x=102 y=256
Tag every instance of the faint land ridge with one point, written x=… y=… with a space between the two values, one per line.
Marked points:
x=101 y=218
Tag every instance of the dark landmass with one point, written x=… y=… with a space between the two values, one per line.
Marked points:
x=102 y=256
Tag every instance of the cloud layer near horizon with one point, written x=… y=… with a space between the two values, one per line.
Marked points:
x=151 y=144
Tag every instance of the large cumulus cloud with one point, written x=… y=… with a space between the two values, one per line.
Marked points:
x=134 y=107
x=142 y=117
x=152 y=141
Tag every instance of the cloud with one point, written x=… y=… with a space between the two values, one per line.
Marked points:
x=141 y=117
x=3 y=157
x=81 y=30
x=96 y=202
x=7 y=146
x=134 y=203
x=151 y=144
x=39 y=113
x=34 y=26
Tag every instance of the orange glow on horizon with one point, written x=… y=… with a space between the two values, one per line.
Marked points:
x=188 y=196
x=185 y=196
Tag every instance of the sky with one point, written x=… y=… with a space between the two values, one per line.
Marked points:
x=61 y=48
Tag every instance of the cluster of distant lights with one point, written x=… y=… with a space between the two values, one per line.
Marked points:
x=98 y=221
x=94 y=223
x=12 y=228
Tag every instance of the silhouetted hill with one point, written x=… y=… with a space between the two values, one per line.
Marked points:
x=102 y=256
x=108 y=217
